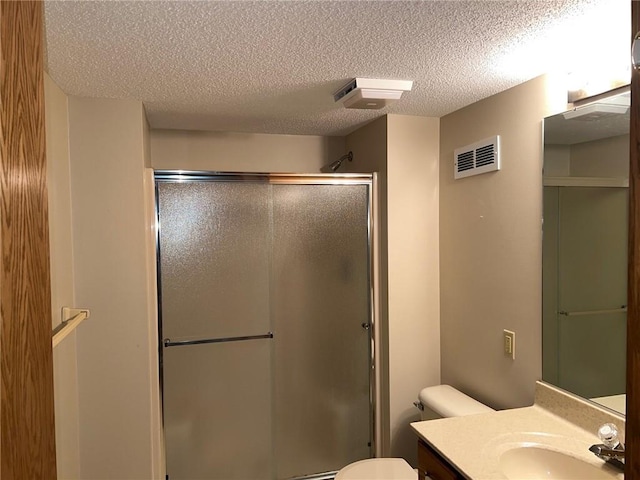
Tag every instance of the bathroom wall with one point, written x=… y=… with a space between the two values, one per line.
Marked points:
x=242 y=152
x=116 y=354
x=414 y=274
x=158 y=462
x=404 y=149
x=107 y=400
x=65 y=373
x=557 y=160
x=490 y=246
x=608 y=157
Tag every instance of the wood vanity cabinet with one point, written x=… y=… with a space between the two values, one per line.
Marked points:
x=432 y=464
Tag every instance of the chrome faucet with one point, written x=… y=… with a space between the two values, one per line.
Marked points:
x=610 y=450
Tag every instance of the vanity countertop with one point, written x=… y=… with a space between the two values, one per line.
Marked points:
x=474 y=444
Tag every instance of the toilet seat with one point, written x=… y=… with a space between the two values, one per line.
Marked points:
x=378 y=469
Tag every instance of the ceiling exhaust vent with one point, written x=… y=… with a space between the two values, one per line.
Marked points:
x=477 y=158
x=370 y=93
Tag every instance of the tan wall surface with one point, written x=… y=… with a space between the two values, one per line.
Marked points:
x=414 y=277
x=242 y=152
x=490 y=244
x=111 y=248
x=608 y=157
x=557 y=160
x=65 y=373
x=156 y=434
x=369 y=147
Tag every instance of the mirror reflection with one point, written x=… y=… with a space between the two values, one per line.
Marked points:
x=586 y=164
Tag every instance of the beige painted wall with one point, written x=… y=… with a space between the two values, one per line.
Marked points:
x=490 y=246
x=414 y=274
x=404 y=150
x=608 y=157
x=242 y=152
x=61 y=255
x=557 y=160
x=156 y=433
x=117 y=358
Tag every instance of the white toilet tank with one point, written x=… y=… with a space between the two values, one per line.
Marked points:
x=443 y=401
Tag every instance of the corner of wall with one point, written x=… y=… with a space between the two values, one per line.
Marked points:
x=156 y=433
x=117 y=408
x=369 y=147
x=413 y=246
x=146 y=138
x=62 y=278
x=59 y=191
x=404 y=151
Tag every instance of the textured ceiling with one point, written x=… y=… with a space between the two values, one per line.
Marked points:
x=272 y=66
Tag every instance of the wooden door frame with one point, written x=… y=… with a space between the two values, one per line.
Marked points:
x=27 y=430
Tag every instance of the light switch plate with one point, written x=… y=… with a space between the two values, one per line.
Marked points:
x=509 y=343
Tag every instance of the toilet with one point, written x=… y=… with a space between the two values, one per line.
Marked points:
x=440 y=401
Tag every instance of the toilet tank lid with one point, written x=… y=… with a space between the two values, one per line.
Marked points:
x=449 y=402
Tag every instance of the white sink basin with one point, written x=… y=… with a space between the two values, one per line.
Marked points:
x=536 y=463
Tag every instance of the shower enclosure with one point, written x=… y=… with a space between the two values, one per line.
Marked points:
x=265 y=296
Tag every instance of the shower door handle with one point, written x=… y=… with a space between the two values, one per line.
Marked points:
x=168 y=343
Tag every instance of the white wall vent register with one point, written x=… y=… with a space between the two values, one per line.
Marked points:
x=477 y=158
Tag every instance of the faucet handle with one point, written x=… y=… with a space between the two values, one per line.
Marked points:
x=608 y=435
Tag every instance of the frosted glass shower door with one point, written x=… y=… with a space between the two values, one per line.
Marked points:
x=265 y=296
x=321 y=309
x=592 y=289
x=214 y=275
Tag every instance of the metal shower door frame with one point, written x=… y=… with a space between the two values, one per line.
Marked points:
x=369 y=180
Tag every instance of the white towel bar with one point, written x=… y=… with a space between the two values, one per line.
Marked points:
x=71 y=318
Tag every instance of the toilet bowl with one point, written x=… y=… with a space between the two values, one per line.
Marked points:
x=378 y=469
x=440 y=401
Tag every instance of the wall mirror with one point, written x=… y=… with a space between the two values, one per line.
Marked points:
x=584 y=261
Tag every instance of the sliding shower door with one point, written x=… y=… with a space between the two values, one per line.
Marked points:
x=585 y=298
x=320 y=304
x=265 y=299
x=214 y=248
